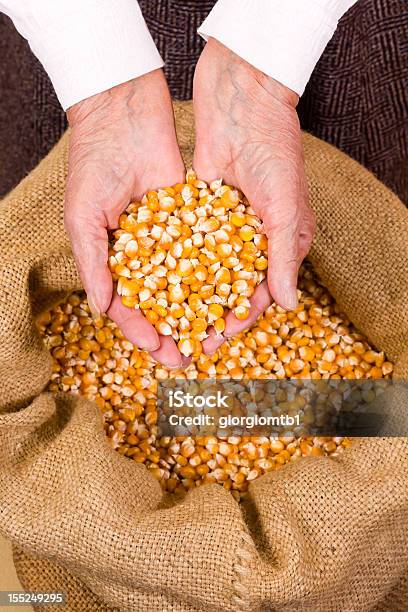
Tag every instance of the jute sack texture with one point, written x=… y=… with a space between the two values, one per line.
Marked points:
x=318 y=535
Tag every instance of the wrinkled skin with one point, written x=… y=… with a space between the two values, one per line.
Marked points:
x=248 y=132
x=123 y=143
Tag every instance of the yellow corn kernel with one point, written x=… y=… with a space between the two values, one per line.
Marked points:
x=238 y=219
x=261 y=242
x=130 y=302
x=186 y=347
x=205 y=292
x=216 y=311
x=152 y=316
x=246 y=233
x=199 y=325
x=219 y=326
x=224 y=250
x=164 y=328
x=241 y=312
x=241 y=287
x=261 y=263
x=223 y=275
x=231 y=262
x=177 y=294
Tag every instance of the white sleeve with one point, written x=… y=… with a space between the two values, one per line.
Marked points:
x=86 y=46
x=282 y=38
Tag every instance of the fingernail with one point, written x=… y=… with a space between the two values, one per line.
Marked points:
x=231 y=334
x=150 y=348
x=211 y=353
x=95 y=311
x=172 y=366
x=289 y=297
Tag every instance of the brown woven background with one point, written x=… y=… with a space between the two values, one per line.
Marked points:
x=320 y=535
x=31 y=118
x=357 y=98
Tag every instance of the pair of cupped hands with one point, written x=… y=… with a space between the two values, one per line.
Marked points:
x=123 y=143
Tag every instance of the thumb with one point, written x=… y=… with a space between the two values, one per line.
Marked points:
x=283 y=257
x=89 y=240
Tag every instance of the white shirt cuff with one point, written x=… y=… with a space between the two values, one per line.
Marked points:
x=282 y=38
x=87 y=46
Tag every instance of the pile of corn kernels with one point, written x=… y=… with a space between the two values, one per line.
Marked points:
x=316 y=341
x=186 y=254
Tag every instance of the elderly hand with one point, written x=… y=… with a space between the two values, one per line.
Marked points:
x=123 y=143
x=248 y=133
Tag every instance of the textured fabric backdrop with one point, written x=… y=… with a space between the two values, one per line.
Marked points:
x=357 y=98
x=31 y=119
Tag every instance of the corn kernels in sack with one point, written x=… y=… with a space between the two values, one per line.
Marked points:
x=316 y=341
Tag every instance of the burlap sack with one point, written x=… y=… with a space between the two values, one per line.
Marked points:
x=318 y=535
